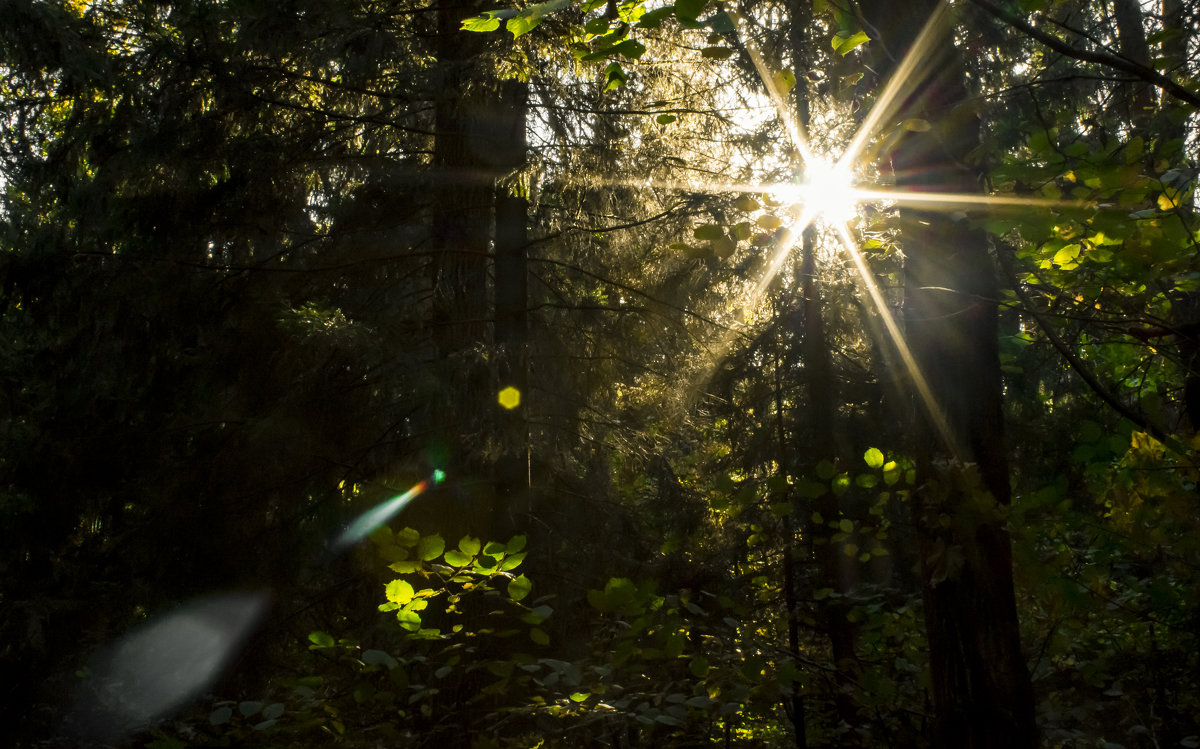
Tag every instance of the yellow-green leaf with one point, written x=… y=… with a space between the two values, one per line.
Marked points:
x=519 y=587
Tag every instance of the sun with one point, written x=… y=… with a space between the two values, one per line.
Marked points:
x=826 y=192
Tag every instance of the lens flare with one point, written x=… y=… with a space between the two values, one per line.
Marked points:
x=366 y=523
x=160 y=666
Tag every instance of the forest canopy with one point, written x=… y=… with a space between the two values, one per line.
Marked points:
x=616 y=374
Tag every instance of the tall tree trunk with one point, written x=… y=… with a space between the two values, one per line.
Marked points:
x=836 y=568
x=511 y=333
x=981 y=687
x=461 y=218
x=1136 y=97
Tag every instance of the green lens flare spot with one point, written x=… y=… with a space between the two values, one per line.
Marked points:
x=438 y=475
x=509 y=397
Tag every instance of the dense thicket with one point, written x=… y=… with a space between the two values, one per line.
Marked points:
x=266 y=266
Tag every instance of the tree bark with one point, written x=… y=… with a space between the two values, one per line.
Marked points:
x=837 y=569
x=462 y=195
x=511 y=292
x=981 y=687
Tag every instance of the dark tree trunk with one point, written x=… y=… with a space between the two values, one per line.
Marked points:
x=462 y=196
x=511 y=334
x=981 y=687
x=1136 y=98
x=837 y=570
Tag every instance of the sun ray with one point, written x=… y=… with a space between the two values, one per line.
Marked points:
x=902 y=83
x=935 y=200
x=867 y=281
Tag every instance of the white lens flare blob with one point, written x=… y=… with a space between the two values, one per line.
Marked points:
x=163 y=664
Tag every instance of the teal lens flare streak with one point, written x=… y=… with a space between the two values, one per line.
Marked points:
x=366 y=524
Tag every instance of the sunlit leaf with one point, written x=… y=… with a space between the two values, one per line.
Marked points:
x=399 y=591
x=430 y=547
x=783 y=81
x=746 y=203
x=844 y=45
x=519 y=587
x=483 y=23
x=873 y=457
x=512 y=561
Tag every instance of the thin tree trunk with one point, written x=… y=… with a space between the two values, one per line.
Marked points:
x=981 y=688
x=795 y=698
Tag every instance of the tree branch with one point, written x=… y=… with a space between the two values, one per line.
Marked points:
x=1107 y=59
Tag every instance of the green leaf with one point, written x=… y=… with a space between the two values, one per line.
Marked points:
x=512 y=561
x=321 y=640
x=519 y=587
x=430 y=547
x=1066 y=257
x=845 y=525
x=469 y=545
x=456 y=558
x=405 y=568
x=654 y=18
x=783 y=82
x=844 y=45
x=746 y=203
x=769 y=222
x=515 y=544
x=665 y=119
x=724 y=247
x=873 y=457
x=408 y=537
x=379 y=658
x=539 y=636
x=485 y=563
x=522 y=23
x=399 y=591
x=494 y=548
x=482 y=23
x=409 y=620
x=721 y=23
x=689 y=10
x=580 y=696
x=716 y=53
x=630 y=48
x=597 y=26
x=615 y=76
x=699 y=667
x=825 y=470
x=709 y=232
